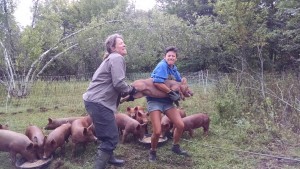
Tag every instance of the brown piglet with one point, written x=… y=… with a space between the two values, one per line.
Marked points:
x=82 y=133
x=54 y=123
x=17 y=143
x=55 y=139
x=36 y=135
x=195 y=121
x=128 y=125
x=166 y=125
x=139 y=114
x=131 y=112
x=145 y=87
x=181 y=112
x=4 y=127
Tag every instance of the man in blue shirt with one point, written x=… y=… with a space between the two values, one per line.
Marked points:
x=165 y=70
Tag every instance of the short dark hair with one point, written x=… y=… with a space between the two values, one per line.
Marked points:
x=171 y=48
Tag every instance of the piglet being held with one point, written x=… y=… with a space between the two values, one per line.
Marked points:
x=56 y=138
x=196 y=121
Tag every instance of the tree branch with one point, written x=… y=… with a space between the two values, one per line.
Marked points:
x=54 y=57
x=275 y=96
x=9 y=67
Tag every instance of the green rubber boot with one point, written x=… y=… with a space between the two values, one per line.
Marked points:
x=101 y=159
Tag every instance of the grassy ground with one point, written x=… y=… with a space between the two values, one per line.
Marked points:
x=231 y=145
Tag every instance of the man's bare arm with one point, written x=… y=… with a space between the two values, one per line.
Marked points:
x=162 y=87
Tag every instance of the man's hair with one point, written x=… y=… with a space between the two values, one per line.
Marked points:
x=171 y=48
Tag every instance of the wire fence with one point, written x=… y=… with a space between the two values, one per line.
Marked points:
x=62 y=91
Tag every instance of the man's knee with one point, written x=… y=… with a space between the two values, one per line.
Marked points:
x=179 y=125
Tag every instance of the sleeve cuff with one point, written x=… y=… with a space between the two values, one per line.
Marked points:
x=158 y=80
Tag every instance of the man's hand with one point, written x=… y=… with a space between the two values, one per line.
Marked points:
x=174 y=95
x=130 y=98
x=132 y=91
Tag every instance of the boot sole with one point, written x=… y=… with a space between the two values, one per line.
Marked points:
x=182 y=154
x=115 y=164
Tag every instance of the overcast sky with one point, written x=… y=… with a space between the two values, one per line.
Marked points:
x=24 y=16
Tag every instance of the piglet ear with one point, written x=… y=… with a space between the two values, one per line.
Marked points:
x=53 y=142
x=45 y=138
x=165 y=126
x=139 y=114
x=128 y=108
x=35 y=140
x=85 y=131
x=136 y=108
x=138 y=127
x=49 y=120
x=29 y=147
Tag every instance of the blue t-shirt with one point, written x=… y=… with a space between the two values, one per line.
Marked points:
x=160 y=74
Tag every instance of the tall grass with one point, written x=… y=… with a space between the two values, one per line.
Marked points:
x=276 y=105
x=49 y=94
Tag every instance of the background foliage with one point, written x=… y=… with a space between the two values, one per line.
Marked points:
x=216 y=35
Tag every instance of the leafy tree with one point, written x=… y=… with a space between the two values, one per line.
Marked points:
x=245 y=29
x=9 y=47
x=46 y=40
x=287 y=35
x=188 y=10
x=149 y=33
x=208 y=35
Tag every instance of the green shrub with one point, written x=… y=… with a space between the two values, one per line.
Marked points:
x=229 y=103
